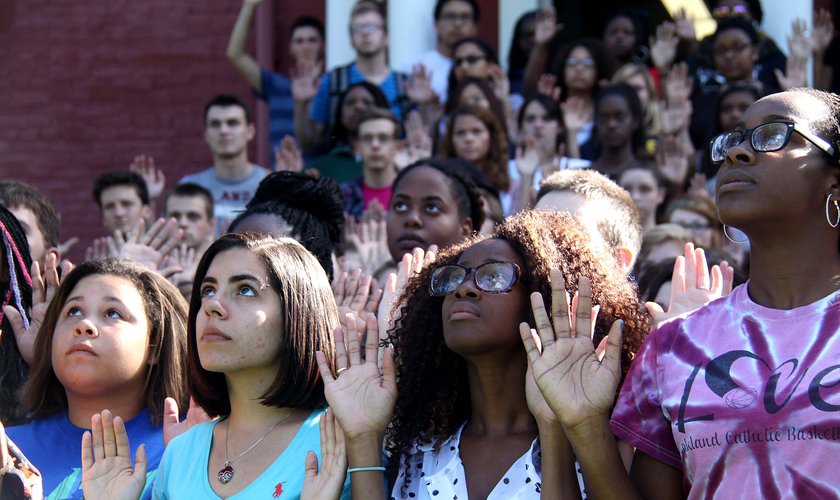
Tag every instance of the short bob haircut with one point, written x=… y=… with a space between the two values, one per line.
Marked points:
x=309 y=317
x=166 y=312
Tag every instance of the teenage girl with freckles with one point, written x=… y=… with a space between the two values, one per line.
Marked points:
x=740 y=398
x=260 y=309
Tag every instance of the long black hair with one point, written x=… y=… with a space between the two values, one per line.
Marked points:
x=16 y=289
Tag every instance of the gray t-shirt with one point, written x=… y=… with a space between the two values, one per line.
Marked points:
x=229 y=197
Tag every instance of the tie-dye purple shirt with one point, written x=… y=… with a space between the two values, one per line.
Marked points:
x=742 y=398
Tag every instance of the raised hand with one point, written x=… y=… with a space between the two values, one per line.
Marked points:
x=410 y=265
x=547 y=84
x=98 y=249
x=795 y=75
x=663 y=46
x=369 y=240
x=576 y=385
x=147 y=247
x=691 y=287
x=44 y=287
x=327 y=483
x=419 y=87
x=179 y=267
x=547 y=26
x=287 y=156
x=672 y=161
x=575 y=114
x=823 y=31
x=106 y=461
x=799 y=43
x=527 y=160
x=374 y=212
x=65 y=246
x=173 y=426
x=684 y=26
x=675 y=117
x=306 y=76
x=500 y=83
x=362 y=398
x=155 y=180
x=418 y=143
x=356 y=291
x=678 y=86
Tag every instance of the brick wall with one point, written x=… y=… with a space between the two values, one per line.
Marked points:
x=85 y=86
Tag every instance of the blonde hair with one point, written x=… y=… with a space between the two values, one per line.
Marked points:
x=652 y=120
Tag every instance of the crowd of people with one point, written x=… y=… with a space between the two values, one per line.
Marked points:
x=611 y=271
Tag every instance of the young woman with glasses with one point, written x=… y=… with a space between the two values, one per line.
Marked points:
x=460 y=411
x=739 y=398
x=580 y=67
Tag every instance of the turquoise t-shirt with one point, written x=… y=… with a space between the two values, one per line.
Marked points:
x=183 y=469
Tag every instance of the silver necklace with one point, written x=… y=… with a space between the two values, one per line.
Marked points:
x=226 y=472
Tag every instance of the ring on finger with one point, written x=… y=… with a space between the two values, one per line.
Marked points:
x=338 y=372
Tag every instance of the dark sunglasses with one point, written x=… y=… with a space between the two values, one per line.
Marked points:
x=765 y=138
x=490 y=277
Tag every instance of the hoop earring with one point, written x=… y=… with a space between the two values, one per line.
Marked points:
x=828 y=211
x=730 y=238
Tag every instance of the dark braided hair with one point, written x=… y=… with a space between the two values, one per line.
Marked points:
x=433 y=397
x=16 y=289
x=313 y=208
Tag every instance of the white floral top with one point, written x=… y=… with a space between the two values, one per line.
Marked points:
x=433 y=475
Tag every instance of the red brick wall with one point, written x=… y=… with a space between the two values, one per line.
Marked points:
x=85 y=86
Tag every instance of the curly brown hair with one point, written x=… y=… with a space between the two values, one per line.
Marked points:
x=495 y=163
x=433 y=396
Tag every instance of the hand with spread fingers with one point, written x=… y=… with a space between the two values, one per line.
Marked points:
x=547 y=26
x=663 y=46
x=822 y=32
x=362 y=398
x=575 y=383
x=357 y=291
x=306 y=77
x=419 y=87
x=691 y=286
x=44 y=287
x=155 y=180
x=147 y=247
x=370 y=241
x=106 y=461
x=410 y=265
x=547 y=84
x=287 y=156
x=327 y=482
x=795 y=75
x=172 y=424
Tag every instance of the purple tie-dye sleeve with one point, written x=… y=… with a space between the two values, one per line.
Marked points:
x=638 y=418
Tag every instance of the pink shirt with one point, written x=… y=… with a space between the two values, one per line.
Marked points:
x=382 y=195
x=742 y=398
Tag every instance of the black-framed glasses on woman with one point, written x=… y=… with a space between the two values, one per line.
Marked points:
x=765 y=138
x=490 y=277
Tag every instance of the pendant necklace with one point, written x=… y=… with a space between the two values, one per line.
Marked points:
x=226 y=472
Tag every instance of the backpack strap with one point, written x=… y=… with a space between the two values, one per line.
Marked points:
x=339 y=81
